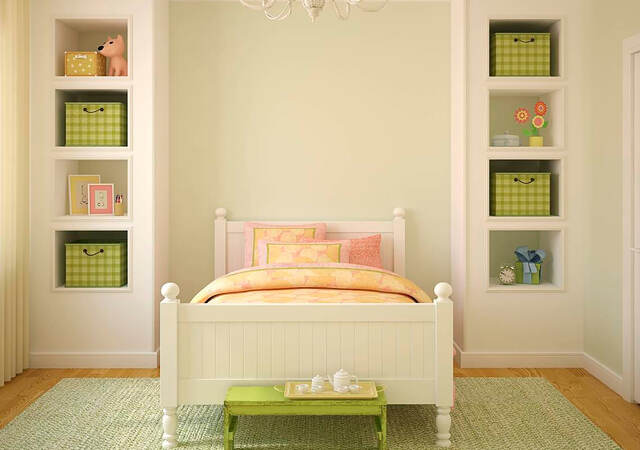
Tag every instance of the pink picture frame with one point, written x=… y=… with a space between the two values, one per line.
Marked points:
x=100 y=199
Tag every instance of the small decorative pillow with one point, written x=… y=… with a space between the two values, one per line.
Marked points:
x=366 y=251
x=254 y=232
x=276 y=252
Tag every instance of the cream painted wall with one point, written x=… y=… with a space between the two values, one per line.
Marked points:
x=615 y=21
x=293 y=120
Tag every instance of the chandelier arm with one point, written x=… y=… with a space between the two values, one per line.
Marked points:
x=283 y=14
x=373 y=9
x=266 y=4
x=257 y=7
x=347 y=10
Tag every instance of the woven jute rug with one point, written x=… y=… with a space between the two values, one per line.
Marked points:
x=490 y=413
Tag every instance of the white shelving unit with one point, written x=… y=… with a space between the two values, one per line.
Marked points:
x=98 y=327
x=502 y=95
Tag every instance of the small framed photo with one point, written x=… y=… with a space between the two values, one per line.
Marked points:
x=100 y=199
x=79 y=193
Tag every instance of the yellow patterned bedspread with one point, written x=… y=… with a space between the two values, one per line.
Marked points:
x=313 y=283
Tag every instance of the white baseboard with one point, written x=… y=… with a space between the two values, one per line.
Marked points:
x=106 y=360
x=521 y=360
x=611 y=379
x=490 y=360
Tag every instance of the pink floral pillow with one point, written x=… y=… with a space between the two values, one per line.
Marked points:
x=277 y=252
x=255 y=232
x=366 y=251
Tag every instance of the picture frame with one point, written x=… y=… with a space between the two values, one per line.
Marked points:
x=100 y=199
x=79 y=193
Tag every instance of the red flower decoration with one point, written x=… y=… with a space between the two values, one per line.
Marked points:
x=538 y=121
x=541 y=108
x=521 y=115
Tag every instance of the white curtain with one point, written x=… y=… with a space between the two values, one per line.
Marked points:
x=14 y=187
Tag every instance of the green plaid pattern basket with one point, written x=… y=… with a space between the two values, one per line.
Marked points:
x=95 y=124
x=520 y=54
x=520 y=194
x=95 y=264
x=535 y=277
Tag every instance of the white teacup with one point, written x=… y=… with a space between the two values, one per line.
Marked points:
x=302 y=388
x=355 y=388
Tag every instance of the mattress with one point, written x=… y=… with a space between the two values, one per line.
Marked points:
x=309 y=295
x=312 y=283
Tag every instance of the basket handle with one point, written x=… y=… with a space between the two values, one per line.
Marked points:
x=524 y=41
x=85 y=109
x=518 y=180
x=86 y=252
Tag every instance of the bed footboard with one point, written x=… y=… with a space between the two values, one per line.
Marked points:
x=205 y=348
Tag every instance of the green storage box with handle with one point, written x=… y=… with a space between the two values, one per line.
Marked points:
x=99 y=124
x=95 y=264
x=520 y=54
x=520 y=194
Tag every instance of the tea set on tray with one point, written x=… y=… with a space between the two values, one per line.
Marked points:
x=342 y=382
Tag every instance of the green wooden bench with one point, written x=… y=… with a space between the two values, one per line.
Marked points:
x=267 y=401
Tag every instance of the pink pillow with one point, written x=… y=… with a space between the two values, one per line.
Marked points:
x=277 y=252
x=366 y=251
x=254 y=232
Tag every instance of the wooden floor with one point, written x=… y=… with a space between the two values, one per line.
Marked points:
x=619 y=419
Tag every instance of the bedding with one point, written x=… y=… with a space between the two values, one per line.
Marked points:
x=364 y=251
x=254 y=232
x=276 y=252
x=329 y=276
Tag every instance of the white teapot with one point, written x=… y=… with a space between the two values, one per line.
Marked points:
x=341 y=380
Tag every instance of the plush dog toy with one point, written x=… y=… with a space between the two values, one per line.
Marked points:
x=114 y=49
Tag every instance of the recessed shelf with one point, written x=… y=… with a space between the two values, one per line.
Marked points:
x=552 y=166
x=502 y=244
x=504 y=102
x=90 y=96
x=528 y=25
x=74 y=34
x=110 y=171
x=59 y=264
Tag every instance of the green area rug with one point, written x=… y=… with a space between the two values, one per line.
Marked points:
x=490 y=413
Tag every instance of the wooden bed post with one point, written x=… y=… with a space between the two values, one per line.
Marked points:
x=444 y=363
x=398 y=241
x=169 y=363
x=220 y=241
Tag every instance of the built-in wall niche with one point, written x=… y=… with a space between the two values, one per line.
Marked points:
x=89 y=96
x=113 y=171
x=503 y=104
x=502 y=245
x=86 y=35
x=552 y=26
x=61 y=237
x=552 y=166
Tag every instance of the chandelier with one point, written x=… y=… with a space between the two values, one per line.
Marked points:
x=313 y=7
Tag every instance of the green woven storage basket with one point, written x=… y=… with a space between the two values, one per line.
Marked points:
x=520 y=54
x=101 y=124
x=535 y=277
x=95 y=264
x=520 y=194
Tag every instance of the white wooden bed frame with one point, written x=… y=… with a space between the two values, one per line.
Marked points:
x=205 y=348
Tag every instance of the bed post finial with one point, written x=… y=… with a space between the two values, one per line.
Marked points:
x=170 y=292
x=399 y=212
x=221 y=213
x=443 y=292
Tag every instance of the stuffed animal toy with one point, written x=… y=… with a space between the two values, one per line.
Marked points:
x=114 y=49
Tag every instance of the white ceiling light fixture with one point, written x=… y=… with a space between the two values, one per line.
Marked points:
x=313 y=7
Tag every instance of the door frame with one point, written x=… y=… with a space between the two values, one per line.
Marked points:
x=630 y=155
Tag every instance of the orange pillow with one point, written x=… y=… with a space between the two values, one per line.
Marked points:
x=254 y=232
x=277 y=252
x=366 y=251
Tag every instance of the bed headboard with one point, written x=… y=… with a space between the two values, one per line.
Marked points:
x=229 y=240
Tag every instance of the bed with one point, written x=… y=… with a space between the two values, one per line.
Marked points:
x=207 y=347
